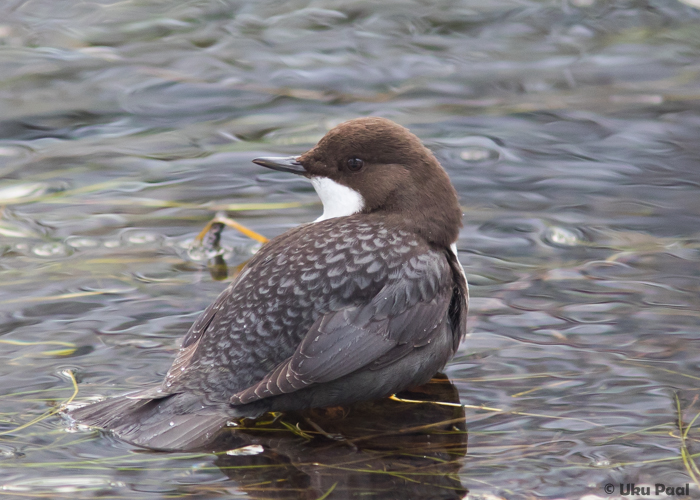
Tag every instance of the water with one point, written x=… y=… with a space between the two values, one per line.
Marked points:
x=570 y=130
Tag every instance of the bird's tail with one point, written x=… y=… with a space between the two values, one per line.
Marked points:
x=165 y=423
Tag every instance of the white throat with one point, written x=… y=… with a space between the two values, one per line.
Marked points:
x=338 y=200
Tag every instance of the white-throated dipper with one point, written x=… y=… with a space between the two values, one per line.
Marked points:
x=366 y=301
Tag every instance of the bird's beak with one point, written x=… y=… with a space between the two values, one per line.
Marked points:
x=283 y=164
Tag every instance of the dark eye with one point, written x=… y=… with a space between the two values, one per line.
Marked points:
x=355 y=164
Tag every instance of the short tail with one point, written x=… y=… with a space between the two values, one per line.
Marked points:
x=167 y=423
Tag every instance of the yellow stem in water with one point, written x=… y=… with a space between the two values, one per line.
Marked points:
x=49 y=413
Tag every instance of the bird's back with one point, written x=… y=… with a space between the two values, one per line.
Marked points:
x=306 y=273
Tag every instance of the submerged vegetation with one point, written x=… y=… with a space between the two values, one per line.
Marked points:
x=569 y=130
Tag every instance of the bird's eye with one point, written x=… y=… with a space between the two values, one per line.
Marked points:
x=355 y=164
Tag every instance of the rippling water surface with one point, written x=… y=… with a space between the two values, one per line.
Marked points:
x=570 y=129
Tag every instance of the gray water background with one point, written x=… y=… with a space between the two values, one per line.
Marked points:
x=571 y=130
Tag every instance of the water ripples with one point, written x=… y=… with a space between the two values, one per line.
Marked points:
x=570 y=132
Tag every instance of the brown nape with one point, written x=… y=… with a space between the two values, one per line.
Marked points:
x=401 y=178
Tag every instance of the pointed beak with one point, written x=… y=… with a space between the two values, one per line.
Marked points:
x=283 y=164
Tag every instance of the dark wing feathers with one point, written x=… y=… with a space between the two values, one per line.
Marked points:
x=404 y=315
x=416 y=327
x=322 y=357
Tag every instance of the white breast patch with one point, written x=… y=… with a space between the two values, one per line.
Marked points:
x=338 y=200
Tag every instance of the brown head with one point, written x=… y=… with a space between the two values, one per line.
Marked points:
x=375 y=166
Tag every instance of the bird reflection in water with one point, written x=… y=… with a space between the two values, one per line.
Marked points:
x=385 y=448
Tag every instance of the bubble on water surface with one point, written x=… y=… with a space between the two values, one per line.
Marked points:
x=562 y=236
x=12 y=230
x=475 y=154
x=61 y=484
x=22 y=192
x=474 y=149
x=253 y=449
x=142 y=238
x=54 y=249
x=80 y=242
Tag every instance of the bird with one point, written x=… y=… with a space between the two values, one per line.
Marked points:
x=367 y=300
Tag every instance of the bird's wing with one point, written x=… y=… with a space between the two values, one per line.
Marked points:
x=405 y=314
